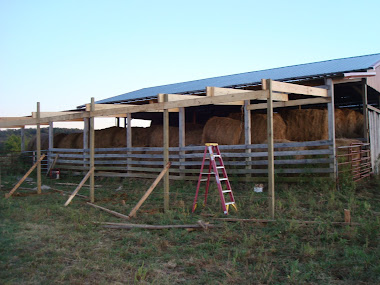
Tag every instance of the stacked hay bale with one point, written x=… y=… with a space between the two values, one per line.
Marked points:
x=222 y=130
x=72 y=140
x=306 y=124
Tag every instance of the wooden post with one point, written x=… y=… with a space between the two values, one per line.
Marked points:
x=86 y=122
x=166 y=154
x=331 y=124
x=51 y=143
x=247 y=133
x=92 y=151
x=22 y=139
x=347 y=216
x=270 y=150
x=38 y=149
x=182 y=138
x=129 y=139
x=149 y=191
x=365 y=109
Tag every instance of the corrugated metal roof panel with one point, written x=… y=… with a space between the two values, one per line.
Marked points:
x=335 y=66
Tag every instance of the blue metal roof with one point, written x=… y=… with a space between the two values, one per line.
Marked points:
x=329 y=67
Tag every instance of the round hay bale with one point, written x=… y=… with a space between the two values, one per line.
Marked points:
x=340 y=123
x=58 y=138
x=350 y=119
x=69 y=141
x=193 y=134
x=157 y=136
x=306 y=124
x=236 y=116
x=222 y=130
x=359 y=128
x=104 y=137
x=32 y=145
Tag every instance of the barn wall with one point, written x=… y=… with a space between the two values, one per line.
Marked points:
x=374 y=131
x=374 y=82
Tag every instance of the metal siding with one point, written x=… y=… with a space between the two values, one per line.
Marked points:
x=296 y=71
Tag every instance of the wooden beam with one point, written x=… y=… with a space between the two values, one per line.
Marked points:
x=99 y=107
x=373 y=109
x=38 y=139
x=331 y=125
x=51 y=166
x=149 y=191
x=79 y=186
x=270 y=150
x=290 y=103
x=109 y=211
x=207 y=100
x=218 y=91
x=298 y=89
x=22 y=139
x=24 y=177
x=129 y=138
x=166 y=155
x=200 y=225
x=86 y=129
x=51 y=143
x=52 y=114
x=247 y=132
x=365 y=109
x=92 y=151
x=181 y=137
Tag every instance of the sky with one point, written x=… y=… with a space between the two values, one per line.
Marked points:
x=62 y=53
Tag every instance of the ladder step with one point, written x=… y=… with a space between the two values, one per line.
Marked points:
x=205 y=179
x=219 y=167
x=226 y=191
x=223 y=179
x=230 y=203
x=217 y=155
x=205 y=173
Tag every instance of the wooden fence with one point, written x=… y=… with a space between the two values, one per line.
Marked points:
x=243 y=162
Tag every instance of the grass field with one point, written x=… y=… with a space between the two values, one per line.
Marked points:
x=43 y=242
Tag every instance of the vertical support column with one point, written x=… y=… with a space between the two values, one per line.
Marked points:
x=270 y=150
x=182 y=138
x=166 y=154
x=22 y=139
x=247 y=134
x=92 y=151
x=129 y=138
x=38 y=149
x=331 y=123
x=86 y=128
x=365 y=109
x=51 y=143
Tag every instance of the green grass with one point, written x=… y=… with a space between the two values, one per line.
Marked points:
x=43 y=242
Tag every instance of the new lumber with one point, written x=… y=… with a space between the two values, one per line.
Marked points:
x=79 y=186
x=218 y=91
x=24 y=177
x=290 y=221
x=109 y=211
x=200 y=224
x=298 y=89
x=149 y=191
x=299 y=102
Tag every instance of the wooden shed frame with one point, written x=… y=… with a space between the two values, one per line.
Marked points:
x=273 y=92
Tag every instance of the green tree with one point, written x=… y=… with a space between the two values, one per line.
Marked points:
x=13 y=143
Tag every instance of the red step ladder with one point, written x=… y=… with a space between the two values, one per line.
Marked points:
x=216 y=167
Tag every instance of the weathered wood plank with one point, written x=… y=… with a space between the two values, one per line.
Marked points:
x=298 y=89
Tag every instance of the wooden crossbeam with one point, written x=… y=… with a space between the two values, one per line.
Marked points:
x=99 y=107
x=79 y=186
x=51 y=114
x=298 y=89
x=218 y=91
x=290 y=103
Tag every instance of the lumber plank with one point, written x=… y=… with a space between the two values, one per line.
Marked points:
x=201 y=225
x=298 y=89
x=79 y=186
x=109 y=211
x=149 y=191
x=24 y=177
x=298 y=102
x=52 y=165
x=38 y=140
x=218 y=91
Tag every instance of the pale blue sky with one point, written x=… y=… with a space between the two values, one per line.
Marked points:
x=62 y=53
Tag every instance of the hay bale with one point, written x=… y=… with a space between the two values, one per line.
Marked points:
x=157 y=136
x=306 y=124
x=350 y=123
x=237 y=116
x=259 y=128
x=193 y=134
x=32 y=145
x=340 y=123
x=222 y=130
x=359 y=128
x=69 y=141
x=58 y=137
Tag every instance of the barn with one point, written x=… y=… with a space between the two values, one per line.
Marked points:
x=308 y=120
